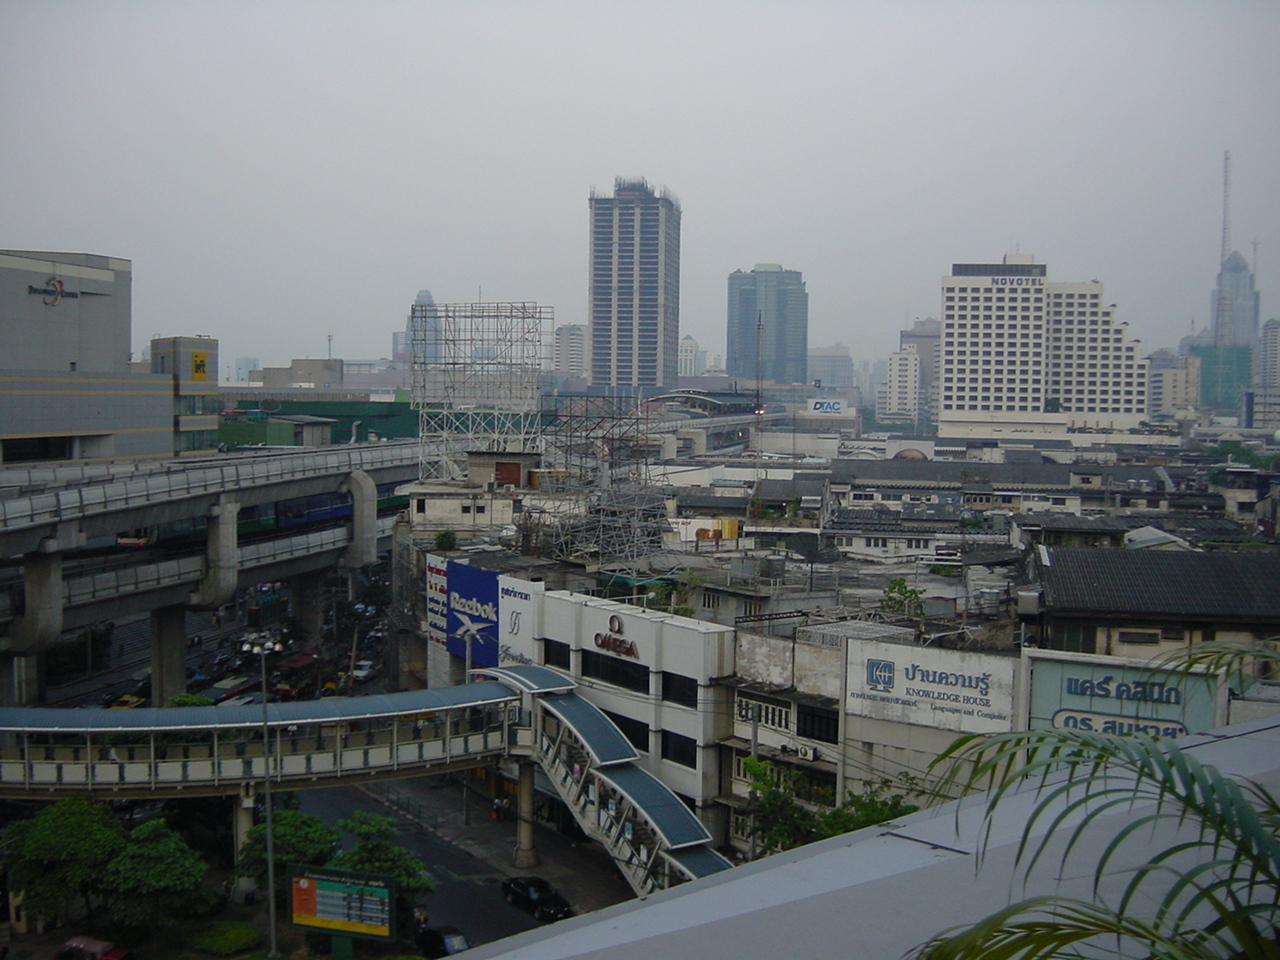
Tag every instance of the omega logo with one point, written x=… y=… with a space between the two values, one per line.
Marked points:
x=614 y=641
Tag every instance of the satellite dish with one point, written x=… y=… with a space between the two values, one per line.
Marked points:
x=269 y=406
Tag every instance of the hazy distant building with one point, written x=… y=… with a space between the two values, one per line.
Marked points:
x=898 y=397
x=571 y=350
x=693 y=361
x=1023 y=354
x=1267 y=357
x=424 y=317
x=244 y=366
x=401 y=347
x=68 y=390
x=831 y=366
x=926 y=336
x=1234 y=306
x=1172 y=387
x=768 y=325
x=634 y=286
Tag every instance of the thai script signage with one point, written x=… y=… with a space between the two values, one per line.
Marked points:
x=1108 y=695
x=949 y=689
x=343 y=902
x=437 y=599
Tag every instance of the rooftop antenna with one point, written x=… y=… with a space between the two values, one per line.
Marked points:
x=1226 y=206
x=330 y=339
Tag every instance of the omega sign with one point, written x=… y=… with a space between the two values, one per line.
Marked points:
x=614 y=641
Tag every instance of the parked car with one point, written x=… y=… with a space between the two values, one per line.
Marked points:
x=87 y=948
x=364 y=670
x=537 y=896
x=442 y=941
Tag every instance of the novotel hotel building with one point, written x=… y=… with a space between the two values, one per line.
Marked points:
x=1021 y=354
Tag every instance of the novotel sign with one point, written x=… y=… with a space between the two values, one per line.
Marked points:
x=1017 y=281
x=615 y=642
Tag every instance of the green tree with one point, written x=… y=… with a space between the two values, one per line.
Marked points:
x=446 y=540
x=61 y=853
x=189 y=700
x=903 y=599
x=296 y=838
x=781 y=822
x=155 y=880
x=1225 y=906
x=376 y=851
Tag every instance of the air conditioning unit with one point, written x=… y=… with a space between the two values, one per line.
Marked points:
x=807 y=752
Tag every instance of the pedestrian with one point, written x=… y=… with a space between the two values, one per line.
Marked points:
x=506 y=808
x=497 y=809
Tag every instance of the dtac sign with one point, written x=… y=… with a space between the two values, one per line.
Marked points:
x=473 y=614
x=826 y=406
x=615 y=642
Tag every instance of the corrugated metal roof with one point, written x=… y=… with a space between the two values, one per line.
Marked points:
x=329 y=709
x=669 y=816
x=700 y=861
x=597 y=733
x=1221 y=586
x=533 y=679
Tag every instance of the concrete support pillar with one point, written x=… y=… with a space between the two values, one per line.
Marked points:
x=244 y=818
x=306 y=593
x=222 y=557
x=363 y=549
x=21 y=680
x=168 y=653
x=697 y=440
x=526 y=854
x=41 y=621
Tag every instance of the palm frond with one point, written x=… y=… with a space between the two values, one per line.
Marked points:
x=1079 y=778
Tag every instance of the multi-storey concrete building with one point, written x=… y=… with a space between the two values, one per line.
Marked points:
x=1175 y=388
x=1267 y=361
x=926 y=336
x=571 y=350
x=693 y=359
x=899 y=397
x=1023 y=355
x=634 y=288
x=768 y=328
x=67 y=390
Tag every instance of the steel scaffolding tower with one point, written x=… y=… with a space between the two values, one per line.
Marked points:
x=475 y=380
x=597 y=505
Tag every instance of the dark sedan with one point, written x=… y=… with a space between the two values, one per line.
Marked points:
x=537 y=896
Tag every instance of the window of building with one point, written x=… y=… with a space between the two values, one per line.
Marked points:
x=680 y=689
x=876 y=541
x=636 y=731
x=615 y=671
x=556 y=654
x=710 y=601
x=818 y=723
x=771 y=713
x=680 y=749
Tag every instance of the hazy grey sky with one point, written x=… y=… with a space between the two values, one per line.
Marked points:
x=282 y=171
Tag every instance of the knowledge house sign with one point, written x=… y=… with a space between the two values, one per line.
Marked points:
x=946 y=689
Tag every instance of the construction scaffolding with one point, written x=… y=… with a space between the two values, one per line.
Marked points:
x=475 y=380
x=595 y=503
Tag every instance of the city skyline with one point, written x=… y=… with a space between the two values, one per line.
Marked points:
x=265 y=186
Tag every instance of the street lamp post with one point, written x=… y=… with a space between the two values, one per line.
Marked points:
x=261 y=648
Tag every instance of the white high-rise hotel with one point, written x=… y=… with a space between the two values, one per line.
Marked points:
x=1023 y=355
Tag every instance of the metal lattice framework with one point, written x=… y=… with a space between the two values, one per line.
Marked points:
x=475 y=380
x=596 y=503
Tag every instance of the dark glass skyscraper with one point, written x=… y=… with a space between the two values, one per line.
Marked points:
x=634 y=290
x=768 y=313
x=1235 y=304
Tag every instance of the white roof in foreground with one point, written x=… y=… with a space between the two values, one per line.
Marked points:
x=872 y=894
